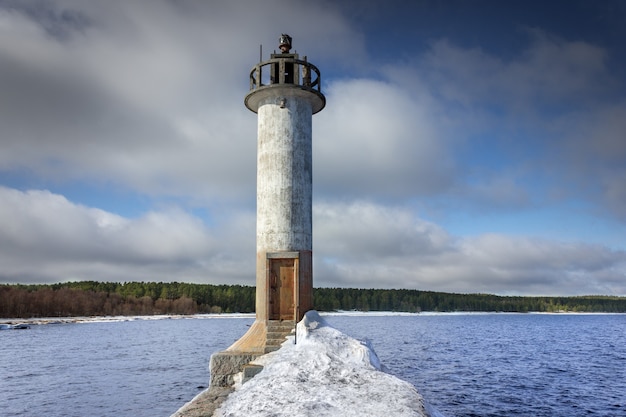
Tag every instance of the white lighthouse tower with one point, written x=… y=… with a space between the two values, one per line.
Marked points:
x=285 y=91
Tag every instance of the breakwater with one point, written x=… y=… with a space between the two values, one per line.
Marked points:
x=326 y=373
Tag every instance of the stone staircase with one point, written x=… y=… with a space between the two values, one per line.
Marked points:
x=277 y=331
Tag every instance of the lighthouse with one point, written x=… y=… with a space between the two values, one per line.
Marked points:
x=285 y=92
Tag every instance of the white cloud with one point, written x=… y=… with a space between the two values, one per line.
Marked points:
x=594 y=154
x=375 y=139
x=364 y=230
x=45 y=237
x=147 y=97
x=368 y=245
x=551 y=71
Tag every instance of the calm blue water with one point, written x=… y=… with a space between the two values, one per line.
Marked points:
x=133 y=368
x=505 y=364
x=464 y=365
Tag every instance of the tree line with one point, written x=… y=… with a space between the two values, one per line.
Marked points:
x=328 y=299
x=92 y=298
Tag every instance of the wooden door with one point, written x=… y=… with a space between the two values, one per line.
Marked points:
x=282 y=289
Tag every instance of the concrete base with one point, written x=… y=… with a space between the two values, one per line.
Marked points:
x=261 y=338
x=225 y=365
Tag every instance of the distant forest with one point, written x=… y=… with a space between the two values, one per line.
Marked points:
x=91 y=298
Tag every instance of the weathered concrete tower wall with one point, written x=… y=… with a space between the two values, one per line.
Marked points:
x=284 y=176
x=284 y=186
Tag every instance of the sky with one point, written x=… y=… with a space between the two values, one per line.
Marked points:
x=466 y=146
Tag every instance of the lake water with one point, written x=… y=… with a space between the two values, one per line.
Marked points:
x=463 y=364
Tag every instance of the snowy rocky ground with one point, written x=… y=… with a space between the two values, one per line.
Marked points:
x=325 y=374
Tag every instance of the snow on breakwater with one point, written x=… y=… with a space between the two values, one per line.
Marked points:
x=327 y=373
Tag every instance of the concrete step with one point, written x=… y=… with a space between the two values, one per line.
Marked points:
x=275 y=342
x=279 y=337
x=277 y=332
x=286 y=323
x=270 y=349
x=276 y=335
x=280 y=330
x=281 y=325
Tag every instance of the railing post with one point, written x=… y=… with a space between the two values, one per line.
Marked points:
x=281 y=71
x=306 y=75
x=295 y=327
x=296 y=290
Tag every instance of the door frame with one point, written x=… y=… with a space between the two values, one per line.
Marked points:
x=282 y=256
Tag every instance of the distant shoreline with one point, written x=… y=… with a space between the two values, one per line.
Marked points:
x=116 y=319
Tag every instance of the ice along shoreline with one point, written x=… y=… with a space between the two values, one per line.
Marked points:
x=112 y=319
